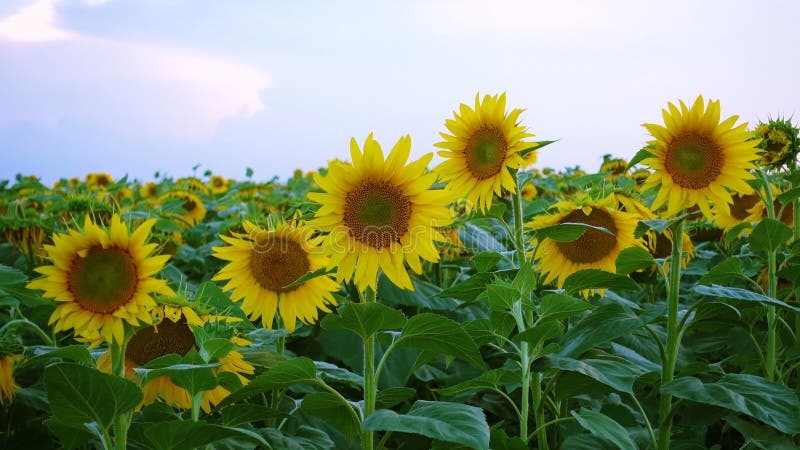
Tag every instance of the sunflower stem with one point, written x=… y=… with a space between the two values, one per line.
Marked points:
x=47 y=340
x=280 y=347
x=370 y=388
x=673 y=335
x=123 y=421
x=772 y=284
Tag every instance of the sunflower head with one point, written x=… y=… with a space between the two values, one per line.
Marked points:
x=594 y=249
x=380 y=213
x=192 y=209
x=192 y=184
x=263 y=264
x=484 y=146
x=779 y=143
x=613 y=166
x=102 y=278
x=218 y=184
x=98 y=180
x=696 y=158
x=149 y=190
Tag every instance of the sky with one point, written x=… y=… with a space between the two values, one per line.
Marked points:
x=134 y=87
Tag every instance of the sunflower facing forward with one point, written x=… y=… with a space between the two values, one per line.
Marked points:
x=102 y=278
x=696 y=158
x=173 y=335
x=264 y=262
x=380 y=213
x=594 y=249
x=484 y=145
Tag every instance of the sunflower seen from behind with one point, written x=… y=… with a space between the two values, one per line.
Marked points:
x=696 y=158
x=102 y=278
x=262 y=263
x=594 y=249
x=380 y=213
x=483 y=147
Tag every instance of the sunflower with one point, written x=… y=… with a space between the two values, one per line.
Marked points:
x=263 y=262
x=485 y=144
x=696 y=158
x=218 y=184
x=594 y=249
x=192 y=184
x=102 y=278
x=173 y=335
x=380 y=213
x=614 y=166
x=640 y=176
x=452 y=247
x=779 y=142
x=193 y=208
x=529 y=191
x=149 y=190
x=7 y=384
x=100 y=180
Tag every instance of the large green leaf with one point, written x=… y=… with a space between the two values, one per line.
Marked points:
x=541 y=332
x=769 y=235
x=469 y=289
x=80 y=395
x=605 y=427
x=560 y=306
x=443 y=421
x=772 y=403
x=612 y=371
x=77 y=353
x=283 y=375
x=634 y=258
x=486 y=381
x=180 y=435
x=760 y=435
x=364 y=319
x=601 y=326
x=330 y=408
x=189 y=371
x=393 y=396
x=567 y=232
x=741 y=294
x=725 y=272
x=597 y=279
x=424 y=296
x=438 y=334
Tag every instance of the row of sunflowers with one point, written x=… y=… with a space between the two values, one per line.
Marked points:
x=379 y=303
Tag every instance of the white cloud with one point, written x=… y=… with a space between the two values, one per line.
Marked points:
x=129 y=87
x=34 y=23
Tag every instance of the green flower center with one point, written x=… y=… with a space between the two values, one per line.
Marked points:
x=278 y=261
x=485 y=152
x=104 y=280
x=694 y=160
x=593 y=245
x=377 y=213
x=154 y=342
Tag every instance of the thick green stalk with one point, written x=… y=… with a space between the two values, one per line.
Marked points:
x=123 y=421
x=370 y=387
x=673 y=335
x=772 y=286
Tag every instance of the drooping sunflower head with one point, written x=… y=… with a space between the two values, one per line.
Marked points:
x=98 y=180
x=149 y=190
x=102 y=278
x=737 y=212
x=614 y=166
x=779 y=143
x=218 y=184
x=192 y=184
x=594 y=249
x=660 y=246
x=379 y=213
x=640 y=176
x=192 y=209
x=696 y=158
x=484 y=145
x=173 y=334
x=7 y=384
x=263 y=265
x=529 y=191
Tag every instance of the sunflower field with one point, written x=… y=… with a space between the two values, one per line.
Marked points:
x=383 y=302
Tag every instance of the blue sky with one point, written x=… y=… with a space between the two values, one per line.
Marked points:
x=124 y=86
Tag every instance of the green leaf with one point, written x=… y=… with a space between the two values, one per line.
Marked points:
x=760 y=436
x=215 y=348
x=769 y=235
x=364 y=319
x=632 y=259
x=443 y=421
x=485 y=261
x=485 y=381
x=788 y=196
x=189 y=372
x=390 y=397
x=180 y=435
x=308 y=276
x=640 y=156
x=501 y=296
x=438 y=334
x=541 y=332
x=567 y=231
x=612 y=371
x=523 y=281
x=560 y=306
x=80 y=395
x=470 y=288
x=330 y=408
x=70 y=436
x=725 y=272
x=424 y=296
x=304 y=438
x=597 y=279
x=244 y=413
x=10 y=276
x=285 y=374
x=603 y=325
x=331 y=372
x=741 y=294
x=660 y=225
x=605 y=427
x=77 y=353
x=477 y=240
x=772 y=403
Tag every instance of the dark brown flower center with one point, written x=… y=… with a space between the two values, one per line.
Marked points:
x=104 y=279
x=694 y=159
x=277 y=262
x=377 y=213
x=154 y=342
x=593 y=245
x=741 y=203
x=189 y=205
x=485 y=152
